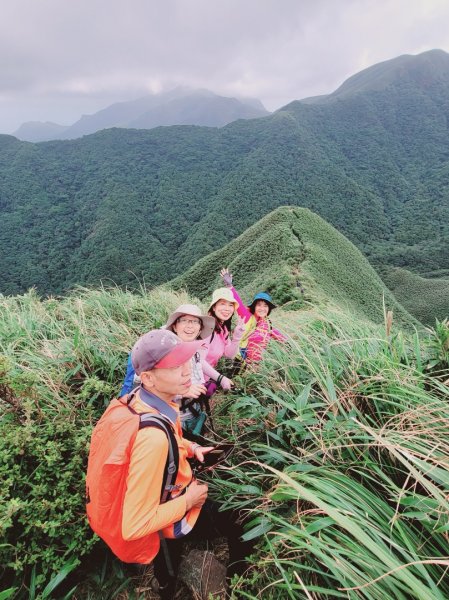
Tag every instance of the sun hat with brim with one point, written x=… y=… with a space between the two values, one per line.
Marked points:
x=265 y=297
x=223 y=294
x=161 y=349
x=194 y=311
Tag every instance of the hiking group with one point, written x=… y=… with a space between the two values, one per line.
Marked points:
x=142 y=495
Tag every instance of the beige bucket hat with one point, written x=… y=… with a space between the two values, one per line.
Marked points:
x=223 y=294
x=194 y=311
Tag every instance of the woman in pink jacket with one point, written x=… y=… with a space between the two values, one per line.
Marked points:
x=258 y=327
x=221 y=343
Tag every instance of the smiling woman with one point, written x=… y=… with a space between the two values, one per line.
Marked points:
x=222 y=307
x=189 y=324
x=258 y=327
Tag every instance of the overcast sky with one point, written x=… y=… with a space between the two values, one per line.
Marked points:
x=60 y=59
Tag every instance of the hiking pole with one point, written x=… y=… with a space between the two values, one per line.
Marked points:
x=209 y=414
x=168 y=562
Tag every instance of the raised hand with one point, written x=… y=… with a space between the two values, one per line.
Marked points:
x=226 y=276
x=239 y=329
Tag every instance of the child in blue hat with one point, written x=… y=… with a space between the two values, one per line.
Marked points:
x=259 y=329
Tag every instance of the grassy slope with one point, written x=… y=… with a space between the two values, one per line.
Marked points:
x=337 y=434
x=292 y=245
x=425 y=299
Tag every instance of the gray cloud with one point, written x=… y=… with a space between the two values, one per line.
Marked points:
x=60 y=59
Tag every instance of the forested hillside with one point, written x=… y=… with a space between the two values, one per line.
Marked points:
x=133 y=205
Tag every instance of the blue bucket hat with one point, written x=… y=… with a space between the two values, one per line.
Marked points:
x=262 y=296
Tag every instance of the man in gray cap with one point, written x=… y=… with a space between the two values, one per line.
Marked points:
x=137 y=446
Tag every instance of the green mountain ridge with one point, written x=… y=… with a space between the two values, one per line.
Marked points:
x=300 y=259
x=426 y=299
x=135 y=205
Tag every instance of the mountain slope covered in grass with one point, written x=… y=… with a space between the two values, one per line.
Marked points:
x=426 y=299
x=299 y=258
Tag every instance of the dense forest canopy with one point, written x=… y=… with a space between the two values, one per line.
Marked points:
x=372 y=159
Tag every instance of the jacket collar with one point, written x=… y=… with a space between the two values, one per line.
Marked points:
x=158 y=404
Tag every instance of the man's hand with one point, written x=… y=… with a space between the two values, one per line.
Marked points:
x=195 y=390
x=200 y=451
x=196 y=494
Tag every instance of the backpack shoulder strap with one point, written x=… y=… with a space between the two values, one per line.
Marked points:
x=172 y=463
x=131 y=395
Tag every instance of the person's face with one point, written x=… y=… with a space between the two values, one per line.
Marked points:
x=168 y=383
x=261 y=309
x=224 y=309
x=187 y=327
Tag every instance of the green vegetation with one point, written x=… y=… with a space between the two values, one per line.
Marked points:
x=426 y=299
x=60 y=364
x=299 y=259
x=134 y=205
x=343 y=432
x=343 y=463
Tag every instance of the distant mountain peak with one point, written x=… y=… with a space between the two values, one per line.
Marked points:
x=430 y=64
x=38 y=131
x=422 y=69
x=179 y=106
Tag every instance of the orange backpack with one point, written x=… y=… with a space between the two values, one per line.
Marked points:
x=107 y=470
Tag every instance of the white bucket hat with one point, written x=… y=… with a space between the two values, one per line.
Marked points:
x=193 y=310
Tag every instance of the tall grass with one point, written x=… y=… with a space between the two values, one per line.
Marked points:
x=61 y=361
x=343 y=464
x=342 y=458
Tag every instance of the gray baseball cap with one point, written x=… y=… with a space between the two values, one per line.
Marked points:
x=161 y=349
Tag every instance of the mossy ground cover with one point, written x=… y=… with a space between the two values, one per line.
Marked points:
x=342 y=455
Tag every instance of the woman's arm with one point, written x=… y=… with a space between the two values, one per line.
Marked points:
x=213 y=374
x=209 y=371
x=128 y=384
x=242 y=310
x=278 y=336
x=232 y=344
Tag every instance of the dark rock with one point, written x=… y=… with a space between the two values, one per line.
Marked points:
x=204 y=575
